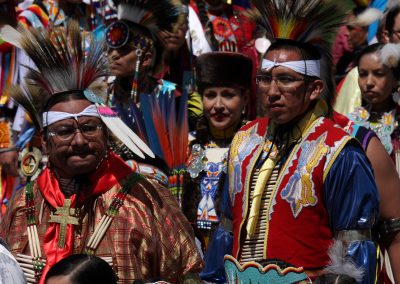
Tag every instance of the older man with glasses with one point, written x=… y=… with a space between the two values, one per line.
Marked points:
x=87 y=200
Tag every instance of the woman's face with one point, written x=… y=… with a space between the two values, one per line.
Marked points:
x=223 y=106
x=376 y=81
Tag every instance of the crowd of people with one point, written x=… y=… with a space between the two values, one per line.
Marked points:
x=201 y=141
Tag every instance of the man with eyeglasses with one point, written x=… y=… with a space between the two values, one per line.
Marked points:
x=300 y=189
x=87 y=199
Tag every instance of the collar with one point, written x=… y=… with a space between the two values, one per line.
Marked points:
x=223 y=134
x=293 y=130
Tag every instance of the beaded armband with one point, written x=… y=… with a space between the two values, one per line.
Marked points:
x=389 y=226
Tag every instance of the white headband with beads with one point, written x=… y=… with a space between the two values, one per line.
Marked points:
x=306 y=67
x=51 y=117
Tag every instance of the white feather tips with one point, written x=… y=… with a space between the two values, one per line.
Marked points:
x=131 y=13
x=367 y=17
x=390 y=55
x=123 y=132
x=342 y=265
x=11 y=35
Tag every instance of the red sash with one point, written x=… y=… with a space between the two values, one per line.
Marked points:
x=110 y=172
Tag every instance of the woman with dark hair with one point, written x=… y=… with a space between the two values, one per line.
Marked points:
x=81 y=269
x=378 y=80
x=224 y=80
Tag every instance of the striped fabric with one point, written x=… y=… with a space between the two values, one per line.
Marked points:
x=150 y=239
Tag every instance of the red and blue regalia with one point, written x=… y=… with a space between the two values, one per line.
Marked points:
x=300 y=198
x=313 y=199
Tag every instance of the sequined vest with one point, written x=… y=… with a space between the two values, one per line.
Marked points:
x=297 y=223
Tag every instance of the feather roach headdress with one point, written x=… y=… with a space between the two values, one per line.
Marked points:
x=64 y=66
x=312 y=22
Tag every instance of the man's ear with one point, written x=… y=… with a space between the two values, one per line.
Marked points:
x=317 y=88
x=147 y=59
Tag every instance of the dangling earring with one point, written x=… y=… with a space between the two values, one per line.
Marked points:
x=135 y=82
x=396 y=97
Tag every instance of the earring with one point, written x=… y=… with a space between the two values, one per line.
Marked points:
x=396 y=97
x=135 y=82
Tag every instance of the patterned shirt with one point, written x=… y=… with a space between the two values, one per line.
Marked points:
x=150 y=239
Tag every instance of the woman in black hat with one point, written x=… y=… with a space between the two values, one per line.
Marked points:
x=223 y=80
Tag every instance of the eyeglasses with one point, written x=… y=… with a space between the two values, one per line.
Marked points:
x=66 y=133
x=282 y=81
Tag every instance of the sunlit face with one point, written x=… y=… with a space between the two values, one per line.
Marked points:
x=223 y=106
x=122 y=61
x=82 y=153
x=376 y=81
x=395 y=36
x=283 y=104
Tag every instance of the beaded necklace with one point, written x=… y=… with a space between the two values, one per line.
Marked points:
x=33 y=265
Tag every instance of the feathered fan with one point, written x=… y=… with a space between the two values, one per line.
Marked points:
x=166 y=124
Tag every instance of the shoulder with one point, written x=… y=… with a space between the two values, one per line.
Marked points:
x=334 y=130
x=259 y=123
x=138 y=190
x=254 y=129
x=148 y=192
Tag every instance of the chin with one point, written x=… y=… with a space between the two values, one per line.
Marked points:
x=220 y=125
x=280 y=119
x=82 y=166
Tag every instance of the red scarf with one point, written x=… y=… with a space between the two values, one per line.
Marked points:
x=110 y=172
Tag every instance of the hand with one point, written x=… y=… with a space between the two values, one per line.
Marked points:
x=9 y=162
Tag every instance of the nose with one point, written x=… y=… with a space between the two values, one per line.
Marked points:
x=273 y=92
x=219 y=104
x=79 y=139
x=370 y=81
